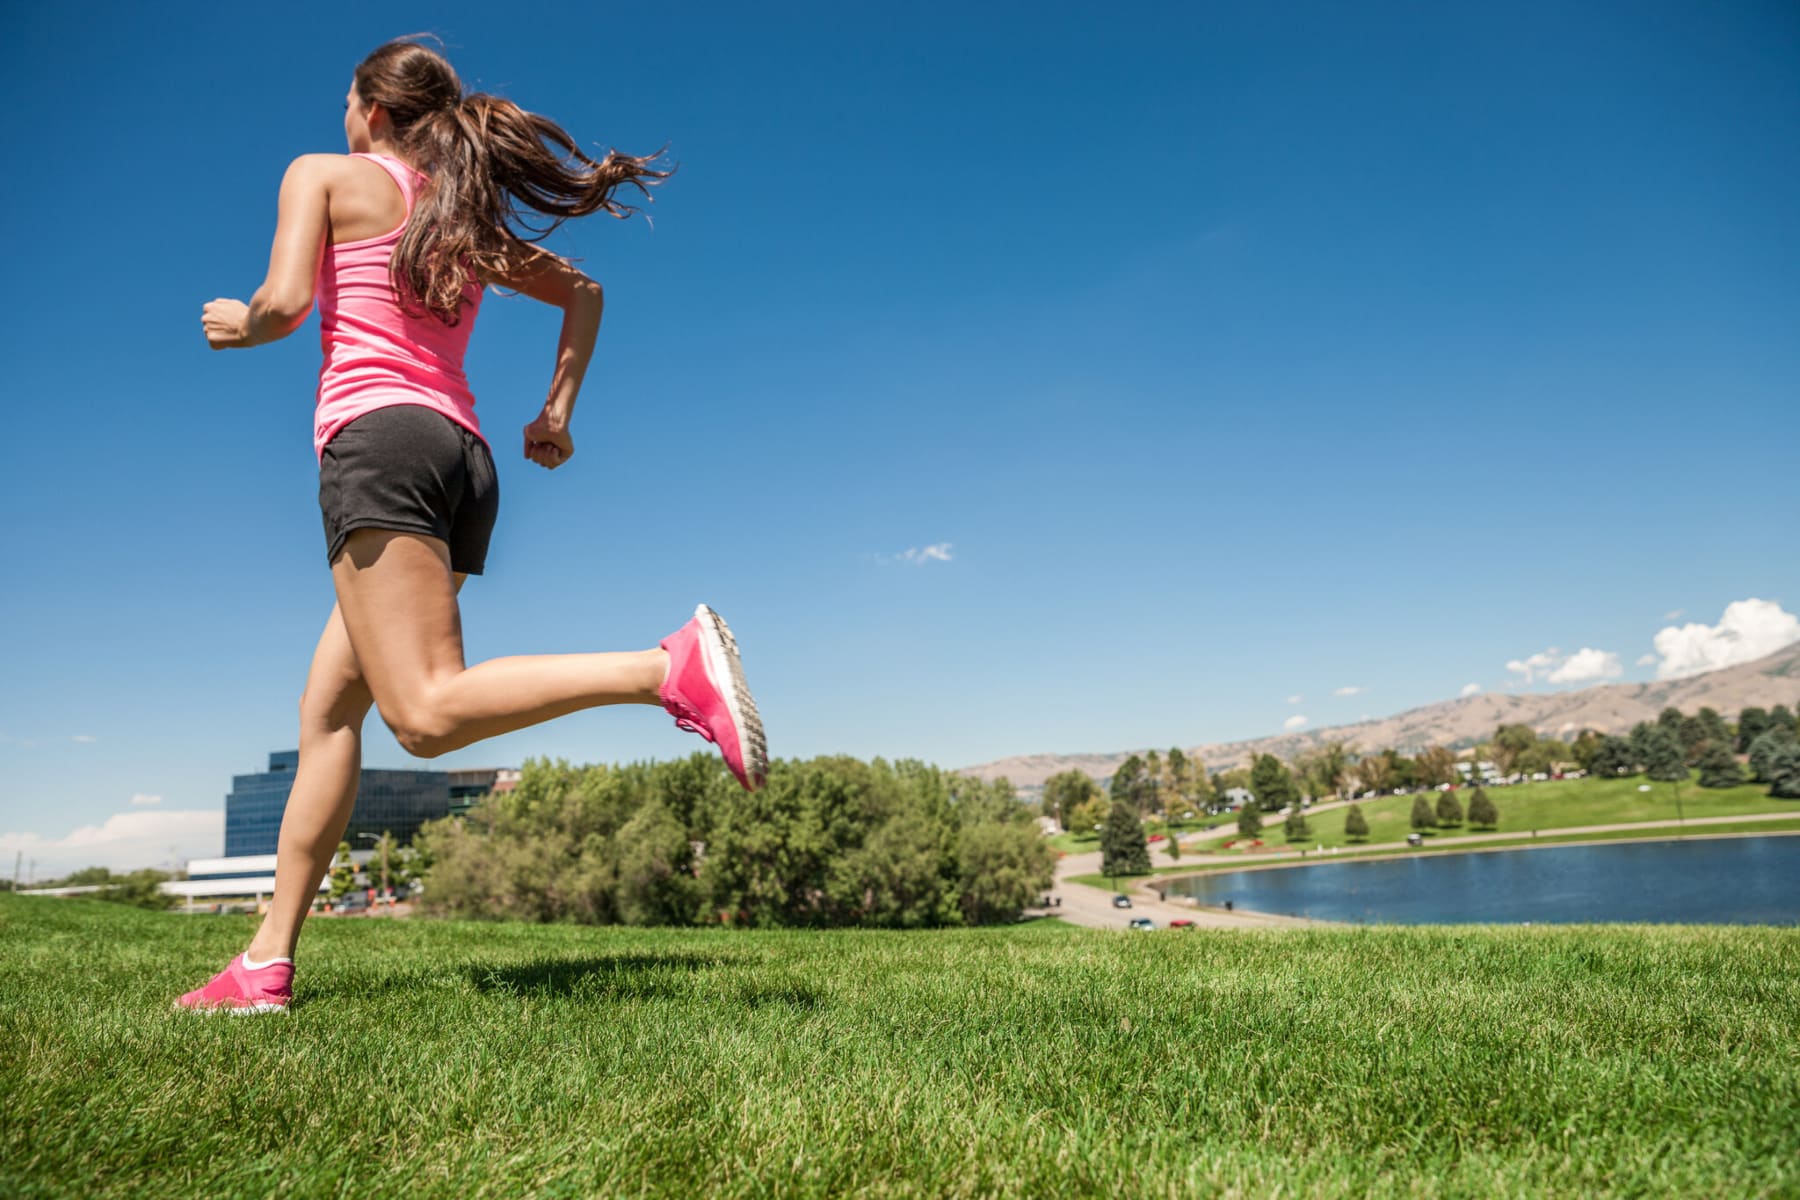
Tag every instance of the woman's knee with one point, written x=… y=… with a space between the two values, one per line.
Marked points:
x=344 y=708
x=421 y=724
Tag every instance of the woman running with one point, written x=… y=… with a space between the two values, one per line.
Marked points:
x=397 y=239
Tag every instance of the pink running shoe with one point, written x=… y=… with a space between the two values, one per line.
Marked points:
x=239 y=990
x=706 y=694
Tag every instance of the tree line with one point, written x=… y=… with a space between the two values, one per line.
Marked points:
x=831 y=841
x=1177 y=787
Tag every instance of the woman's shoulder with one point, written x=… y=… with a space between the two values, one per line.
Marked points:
x=340 y=166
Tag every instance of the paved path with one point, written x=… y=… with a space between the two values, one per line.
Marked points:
x=1085 y=905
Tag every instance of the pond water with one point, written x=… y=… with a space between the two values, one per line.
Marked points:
x=1730 y=881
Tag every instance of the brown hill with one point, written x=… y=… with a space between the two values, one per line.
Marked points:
x=1610 y=708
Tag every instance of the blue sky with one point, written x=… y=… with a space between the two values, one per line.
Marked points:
x=1235 y=352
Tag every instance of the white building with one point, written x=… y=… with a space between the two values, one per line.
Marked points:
x=248 y=876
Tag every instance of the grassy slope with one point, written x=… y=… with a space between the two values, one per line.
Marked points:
x=1558 y=804
x=456 y=1059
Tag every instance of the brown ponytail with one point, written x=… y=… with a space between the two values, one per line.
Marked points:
x=485 y=156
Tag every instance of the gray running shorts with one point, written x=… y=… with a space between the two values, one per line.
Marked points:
x=410 y=468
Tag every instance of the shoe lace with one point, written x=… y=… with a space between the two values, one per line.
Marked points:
x=686 y=720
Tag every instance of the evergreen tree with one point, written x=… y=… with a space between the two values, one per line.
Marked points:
x=1718 y=769
x=1713 y=727
x=1449 y=812
x=1669 y=720
x=1781 y=719
x=1784 y=771
x=1751 y=723
x=1613 y=758
x=1273 y=784
x=1664 y=758
x=1123 y=850
x=1586 y=748
x=1482 y=811
x=1173 y=849
x=1642 y=735
x=1422 y=816
x=1356 y=826
x=1153 y=782
x=1693 y=738
x=1295 y=827
x=1763 y=751
x=1249 y=820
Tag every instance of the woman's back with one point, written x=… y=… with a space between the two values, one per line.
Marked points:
x=375 y=353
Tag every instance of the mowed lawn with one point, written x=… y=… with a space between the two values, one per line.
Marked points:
x=1556 y=804
x=460 y=1059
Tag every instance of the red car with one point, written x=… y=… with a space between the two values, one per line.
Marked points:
x=1181 y=923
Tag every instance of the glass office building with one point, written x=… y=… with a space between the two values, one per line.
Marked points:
x=396 y=802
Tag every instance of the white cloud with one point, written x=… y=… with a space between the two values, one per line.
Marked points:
x=1674 y=614
x=1536 y=665
x=1469 y=689
x=141 y=798
x=918 y=556
x=1587 y=665
x=1553 y=666
x=1295 y=699
x=1349 y=691
x=123 y=842
x=1748 y=630
x=83 y=737
x=1647 y=660
x=1293 y=723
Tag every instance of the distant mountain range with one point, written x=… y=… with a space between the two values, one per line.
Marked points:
x=1611 y=708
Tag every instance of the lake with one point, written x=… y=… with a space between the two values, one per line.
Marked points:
x=1728 y=881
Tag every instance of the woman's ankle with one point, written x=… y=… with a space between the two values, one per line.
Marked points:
x=263 y=950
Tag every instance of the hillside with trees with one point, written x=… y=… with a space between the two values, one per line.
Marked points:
x=1773 y=681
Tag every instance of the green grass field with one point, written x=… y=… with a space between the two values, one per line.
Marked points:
x=429 y=1059
x=1557 y=804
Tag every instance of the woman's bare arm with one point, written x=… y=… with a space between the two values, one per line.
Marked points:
x=282 y=303
x=556 y=281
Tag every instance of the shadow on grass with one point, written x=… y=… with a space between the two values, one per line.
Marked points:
x=638 y=977
x=610 y=974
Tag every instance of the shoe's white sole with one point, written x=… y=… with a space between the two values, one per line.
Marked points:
x=726 y=671
x=242 y=1010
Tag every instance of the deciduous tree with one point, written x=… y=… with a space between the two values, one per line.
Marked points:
x=1066 y=790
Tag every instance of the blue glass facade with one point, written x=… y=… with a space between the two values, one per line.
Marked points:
x=396 y=802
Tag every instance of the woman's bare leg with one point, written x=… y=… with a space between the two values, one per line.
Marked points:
x=398 y=599
x=319 y=805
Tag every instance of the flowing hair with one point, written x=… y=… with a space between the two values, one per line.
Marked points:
x=485 y=156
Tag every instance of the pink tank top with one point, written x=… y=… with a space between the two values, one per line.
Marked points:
x=375 y=355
